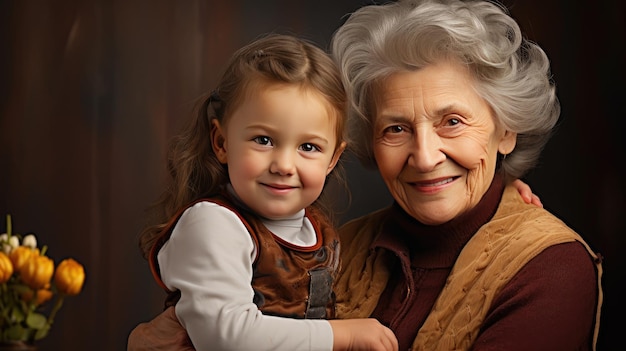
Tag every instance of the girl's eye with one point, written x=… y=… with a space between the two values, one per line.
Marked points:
x=263 y=140
x=308 y=147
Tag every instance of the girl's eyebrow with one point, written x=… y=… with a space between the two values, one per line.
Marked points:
x=315 y=138
x=264 y=127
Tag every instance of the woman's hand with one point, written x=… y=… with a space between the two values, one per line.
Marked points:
x=527 y=193
x=162 y=333
x=362 y=334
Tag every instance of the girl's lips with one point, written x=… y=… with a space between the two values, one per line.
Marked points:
x=278 y=189
x=279 y=186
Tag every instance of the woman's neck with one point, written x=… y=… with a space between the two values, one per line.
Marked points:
x=439 y=245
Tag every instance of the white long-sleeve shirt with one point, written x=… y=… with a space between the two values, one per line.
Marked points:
x=209 y=258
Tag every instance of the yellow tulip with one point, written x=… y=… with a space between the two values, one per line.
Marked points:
x=69 y=277
x=20 y=255
x=37 y=271
x=6 y=268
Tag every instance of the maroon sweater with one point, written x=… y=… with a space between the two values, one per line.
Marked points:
x=525 y=315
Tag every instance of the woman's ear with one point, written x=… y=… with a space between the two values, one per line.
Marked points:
x=218 y=141
x=507 y=143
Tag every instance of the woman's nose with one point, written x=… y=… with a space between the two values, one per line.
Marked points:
x=426 y=152
x=283 y=162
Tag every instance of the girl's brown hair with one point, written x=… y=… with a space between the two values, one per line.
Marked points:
x=194 y=170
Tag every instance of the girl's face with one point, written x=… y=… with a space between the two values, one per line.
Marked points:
x=279 y=145
x=436 y=141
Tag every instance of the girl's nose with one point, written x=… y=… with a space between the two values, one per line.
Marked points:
x=283 y=163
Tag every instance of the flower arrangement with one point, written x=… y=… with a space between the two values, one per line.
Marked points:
x=28 y=282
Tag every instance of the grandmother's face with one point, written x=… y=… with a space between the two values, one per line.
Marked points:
x=436 y=141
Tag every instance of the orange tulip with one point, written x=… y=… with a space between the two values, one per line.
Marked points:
x=37 y=271
x=20 y=255
x=6 y=268
x=69 y=277
x=42 y=296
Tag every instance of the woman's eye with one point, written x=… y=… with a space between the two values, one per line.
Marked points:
x=308 y=147
x=453 y=121
x=395 y=134
x=394 y=129
x=263 y=140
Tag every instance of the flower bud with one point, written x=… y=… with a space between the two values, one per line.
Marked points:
x=42 y=295
x=37 y=271
x=4 y=243
x=30 y=241
x=14 y=242
x=8 y=243
x=69 y=277
x=6 y=268
x=20 y=255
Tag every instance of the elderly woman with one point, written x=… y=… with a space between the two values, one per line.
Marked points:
x=452 y=103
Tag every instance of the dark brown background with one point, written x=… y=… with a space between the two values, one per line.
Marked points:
x=91 y=91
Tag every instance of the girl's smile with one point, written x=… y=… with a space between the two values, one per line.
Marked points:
x=279 y=145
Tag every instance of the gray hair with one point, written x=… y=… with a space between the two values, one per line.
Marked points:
x=510 y=72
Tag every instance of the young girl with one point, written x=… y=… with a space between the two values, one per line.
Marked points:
x=240 y=244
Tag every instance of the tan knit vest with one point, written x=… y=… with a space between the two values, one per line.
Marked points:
x=516 y=234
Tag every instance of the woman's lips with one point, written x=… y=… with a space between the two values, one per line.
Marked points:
x=433 y=185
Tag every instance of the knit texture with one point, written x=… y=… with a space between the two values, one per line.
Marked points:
x=515 y=235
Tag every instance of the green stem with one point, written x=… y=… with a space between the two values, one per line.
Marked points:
x=9 y=225
x=57 y=306
x=3 y=298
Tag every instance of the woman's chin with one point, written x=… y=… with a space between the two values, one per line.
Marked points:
x=432 y=214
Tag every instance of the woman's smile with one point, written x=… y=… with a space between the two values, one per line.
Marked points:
x=433 y=185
